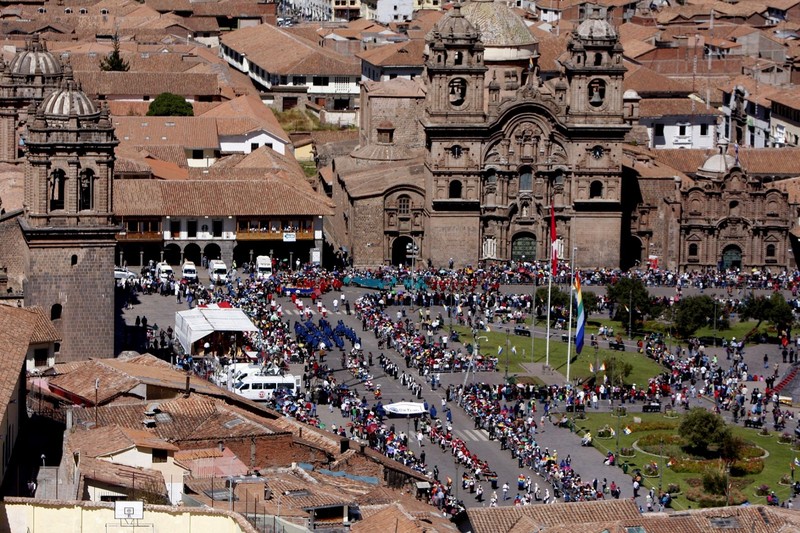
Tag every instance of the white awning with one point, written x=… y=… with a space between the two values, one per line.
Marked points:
x=194 y=324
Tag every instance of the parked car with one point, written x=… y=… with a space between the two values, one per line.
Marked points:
x=123 y=273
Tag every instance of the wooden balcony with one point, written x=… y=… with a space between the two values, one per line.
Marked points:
x=140 y=236
x=273 y=236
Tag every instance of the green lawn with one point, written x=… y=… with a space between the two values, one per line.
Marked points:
x=643 y=367
x=776 y=465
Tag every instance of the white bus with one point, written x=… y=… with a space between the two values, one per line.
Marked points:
x=261 y=388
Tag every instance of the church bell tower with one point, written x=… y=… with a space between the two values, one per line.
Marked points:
x=67 y=221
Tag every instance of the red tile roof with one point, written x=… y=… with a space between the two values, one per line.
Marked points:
x=298 y=56
x=111 y=440
x=781 y=162
x=670 y=107
x=269 y=196
x=112 y=84
x=245 y=114
x=188 y=132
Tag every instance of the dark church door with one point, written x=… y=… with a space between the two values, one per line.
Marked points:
x=731 y=257
x=523 y=248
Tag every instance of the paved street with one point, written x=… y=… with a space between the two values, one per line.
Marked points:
x=588 y=462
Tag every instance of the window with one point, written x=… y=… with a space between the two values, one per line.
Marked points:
x=659 y=130
x=770 y=250
x=216 y=228
x=299 y=80
x=458 y=58
x=40 y=356
x=160 y=456
x=682 y=130
x=386 y=133
x=456 y=151
x=55 y=312
x=320 y=81
x=73 y=260
x=704 y=129
x=458 y=91
x=253 y=147
x=57 y=184
x=454 y=189
x=525 y=179
x=693 y=249
x=86 y=191
x=598 y=59
x=596 y=189
x=191 y=229
x=597 y=92
x=175 y=229
x=197 y=154
x=404 y=205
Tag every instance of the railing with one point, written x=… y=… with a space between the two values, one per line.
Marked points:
x=258 y=235
x=140 y=236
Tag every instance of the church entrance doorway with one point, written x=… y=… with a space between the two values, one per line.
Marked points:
x=632 y=251
x=731 y=257
x=400 y=251
x=523 y=247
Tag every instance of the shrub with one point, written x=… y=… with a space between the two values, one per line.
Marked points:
x=786 y=479
x=620 y=411
x=606 y=432
x=688 y=466
x=764 y=431
x=762 y=490
x=673 y=488
x=747 y=467
x=785 y=438
x=752 y=451
x=703 y=499
x=694 y=482
x=627 y=452
x=651 y=469
x=714 y=481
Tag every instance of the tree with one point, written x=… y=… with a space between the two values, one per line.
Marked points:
x=692 y=313
x=590 y=302
x=703 y=429
x=617 y=370
x=170 y=105
x=114 y=61
x=774 y=309
x=780 y=313
x=731 y=448
x=630 y=296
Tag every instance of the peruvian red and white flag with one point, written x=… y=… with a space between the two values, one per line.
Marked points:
x=553 y=241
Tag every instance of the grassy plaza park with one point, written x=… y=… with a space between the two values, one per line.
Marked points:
x=650 y=443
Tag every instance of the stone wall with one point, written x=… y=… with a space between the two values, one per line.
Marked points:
x=366 y=237
x=597 y=237
x=85 y=291
x=265 y=451
x=455 y=236
x=13 y=252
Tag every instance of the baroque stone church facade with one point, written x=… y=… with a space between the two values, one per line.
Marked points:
x=467 y=165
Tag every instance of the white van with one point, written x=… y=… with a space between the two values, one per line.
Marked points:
x=217 y=270
x=164 y=271
x=263 y=267
x=260 y=388
x=189 y=272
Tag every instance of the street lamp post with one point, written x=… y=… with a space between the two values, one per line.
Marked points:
x=630 y=315
x=715 y=321
x=508 y=348
x=412 y=251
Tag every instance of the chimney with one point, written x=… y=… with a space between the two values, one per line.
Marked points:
x=187 y=391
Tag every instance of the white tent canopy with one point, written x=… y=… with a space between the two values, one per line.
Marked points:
x=194 y=324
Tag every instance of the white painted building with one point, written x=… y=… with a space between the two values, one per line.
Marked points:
x=679 y=123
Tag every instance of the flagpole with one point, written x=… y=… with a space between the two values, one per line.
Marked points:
x=547 y=341
x=571 y=289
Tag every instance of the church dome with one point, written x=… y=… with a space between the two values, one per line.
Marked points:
x=67 y=100
x=34 y=59
x=595 y=29
x=454 y=26
x=718 y=164
x=497 y=24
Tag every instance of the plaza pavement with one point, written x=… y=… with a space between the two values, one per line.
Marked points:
x=587 y=461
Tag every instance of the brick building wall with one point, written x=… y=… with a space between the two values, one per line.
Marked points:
x=79 y=276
